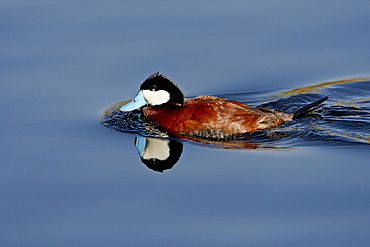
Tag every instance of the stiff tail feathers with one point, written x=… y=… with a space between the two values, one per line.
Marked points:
x=302 y=112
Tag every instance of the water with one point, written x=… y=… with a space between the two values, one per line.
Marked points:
x=66 y=180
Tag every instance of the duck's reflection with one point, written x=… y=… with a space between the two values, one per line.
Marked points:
x=158 y=154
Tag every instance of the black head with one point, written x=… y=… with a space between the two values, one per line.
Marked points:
x=155 y=90
x=157 y=82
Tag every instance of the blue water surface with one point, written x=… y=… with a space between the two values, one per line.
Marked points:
x=66 y=180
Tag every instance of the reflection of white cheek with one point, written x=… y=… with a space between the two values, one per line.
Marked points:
x=156 y=97
x=156 y=149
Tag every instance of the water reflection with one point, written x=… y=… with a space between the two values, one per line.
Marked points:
x=158 y=154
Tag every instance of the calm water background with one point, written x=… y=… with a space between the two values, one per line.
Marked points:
x=65 y=180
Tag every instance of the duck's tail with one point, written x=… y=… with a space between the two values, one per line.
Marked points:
x=302 y=112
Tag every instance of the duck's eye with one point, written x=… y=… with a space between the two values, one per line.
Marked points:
x=153 y=87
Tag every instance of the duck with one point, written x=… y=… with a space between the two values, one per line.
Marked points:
x=161 y=100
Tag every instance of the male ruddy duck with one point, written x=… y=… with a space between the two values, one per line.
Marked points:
x=205 y=116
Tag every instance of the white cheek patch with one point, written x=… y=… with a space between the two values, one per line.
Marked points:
x=156 y=97
x=157 y=149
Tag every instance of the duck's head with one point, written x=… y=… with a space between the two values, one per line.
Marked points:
x=155 y=90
